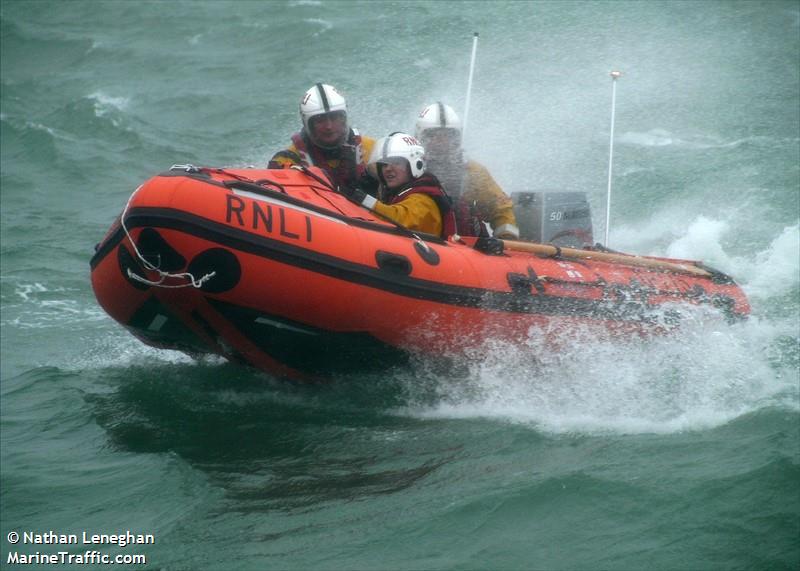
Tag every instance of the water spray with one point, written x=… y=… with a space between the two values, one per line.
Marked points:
x=469 y=84
x=614 y=76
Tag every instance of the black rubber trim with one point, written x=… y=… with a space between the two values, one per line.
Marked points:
x=430 y=255
x=102 y=249
x=512 y=302
x=522 y=283
x=393 y=263
x=717 y=276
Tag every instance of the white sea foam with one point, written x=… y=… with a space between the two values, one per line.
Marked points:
x=324 y=25
x=701 y=241
x=55 y=314
x=670 y=230
x=39 y=306
x=770 y=272
x=124 y=350
x=105 y=104
x=35 y=126
x=775 y=270
x=25 y=290
x=653 y=138
x=40 y=127
x=296 y=3
x=664 y=138
x=704 y=376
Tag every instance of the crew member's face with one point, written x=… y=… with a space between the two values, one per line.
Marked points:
x=396 y=172
x=329 y=129
x=441 y=142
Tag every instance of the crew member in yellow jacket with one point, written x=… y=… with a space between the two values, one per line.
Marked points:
x=327 y=140
x=476 y=196
x=408 y=194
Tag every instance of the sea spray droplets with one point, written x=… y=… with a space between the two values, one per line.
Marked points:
x=776 y=270
x=701 y=241
x=702 y=378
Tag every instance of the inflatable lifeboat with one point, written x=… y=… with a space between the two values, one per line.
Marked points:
x=275 y=269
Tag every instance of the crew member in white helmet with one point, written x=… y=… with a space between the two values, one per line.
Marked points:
x=326 y=140
x=476 y=196
x=407 y=194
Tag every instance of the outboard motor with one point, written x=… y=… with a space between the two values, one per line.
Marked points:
x=558 y=218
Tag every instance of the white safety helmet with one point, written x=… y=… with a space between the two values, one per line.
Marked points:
x=318 y=100
x=400 y=146
x=437 y=116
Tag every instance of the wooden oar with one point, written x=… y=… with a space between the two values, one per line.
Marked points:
x=548 y=250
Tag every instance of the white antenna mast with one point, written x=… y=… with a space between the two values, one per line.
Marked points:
x=469 y=84
x=614 y=76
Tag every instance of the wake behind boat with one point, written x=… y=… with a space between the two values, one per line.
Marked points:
x=274 y=269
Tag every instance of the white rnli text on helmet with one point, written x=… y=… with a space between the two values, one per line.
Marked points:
x=401 y=146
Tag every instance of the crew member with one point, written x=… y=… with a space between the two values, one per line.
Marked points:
x=476 y=196
x=327 y=141
x=407 y=194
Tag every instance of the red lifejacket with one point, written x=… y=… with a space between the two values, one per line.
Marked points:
x=429 y=184
x=350 y=155
x=468 y=222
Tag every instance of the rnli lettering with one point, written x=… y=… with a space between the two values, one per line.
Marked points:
x=284 y=231
x=235 y=206
x=254 y=215
x=264 y=217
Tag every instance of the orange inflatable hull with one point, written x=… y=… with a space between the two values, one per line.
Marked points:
x=292 y=278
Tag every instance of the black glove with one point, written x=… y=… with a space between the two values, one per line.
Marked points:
x=353 y=194
x=368 y=184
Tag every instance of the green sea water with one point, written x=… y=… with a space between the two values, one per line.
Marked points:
x=673 y=453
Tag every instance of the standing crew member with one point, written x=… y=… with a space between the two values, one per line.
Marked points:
x=407 y=194
x=326 y=140
x=477 y=197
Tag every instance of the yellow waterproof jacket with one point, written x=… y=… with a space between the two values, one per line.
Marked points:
x=416 y=212
x=493 y=205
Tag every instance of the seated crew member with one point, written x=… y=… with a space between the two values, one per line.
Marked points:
x=407 y=194
x=327 y=141
x=476 y=196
